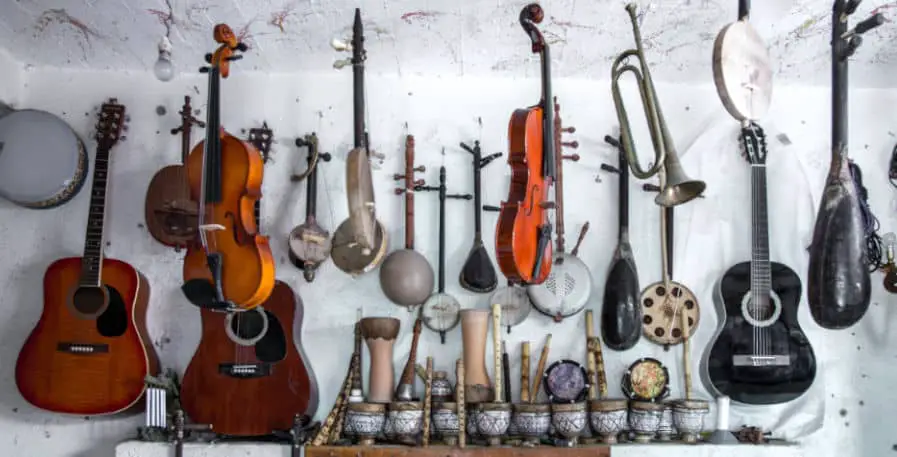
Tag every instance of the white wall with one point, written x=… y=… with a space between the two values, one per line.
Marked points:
x=12 y=87
x=712 y=233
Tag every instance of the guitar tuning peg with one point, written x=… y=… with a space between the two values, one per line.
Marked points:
x=399 y=191
x=420 y=169
x=570 y=144
x=569 y=130
x=573 y=157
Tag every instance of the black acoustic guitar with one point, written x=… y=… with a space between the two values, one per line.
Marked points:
x=760 y=355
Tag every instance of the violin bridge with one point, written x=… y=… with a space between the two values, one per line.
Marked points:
x=211 y=227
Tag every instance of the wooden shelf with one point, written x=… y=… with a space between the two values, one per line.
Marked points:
x=445 y=451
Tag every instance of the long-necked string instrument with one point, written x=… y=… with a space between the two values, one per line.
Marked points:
x=679 y=188
x=441 y=312
x=170 y=213
x=230 y=266
x=838 y=283
x=309 y=244
x=478 y=273
x=405 y=387
x=360 y=242
x=566 y=290
x=523 y=234
x=406 y=276
x=621 y=314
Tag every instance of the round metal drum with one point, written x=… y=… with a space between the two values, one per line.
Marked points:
x=42 y=161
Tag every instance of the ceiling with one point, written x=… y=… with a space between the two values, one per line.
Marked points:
x=435 y=37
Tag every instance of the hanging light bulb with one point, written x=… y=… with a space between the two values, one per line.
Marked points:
x=163 y=69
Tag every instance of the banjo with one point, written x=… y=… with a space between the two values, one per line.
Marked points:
x=43 y=163
x=359 y=243
x=441 y=312
x=309 y=242
x=566 y=289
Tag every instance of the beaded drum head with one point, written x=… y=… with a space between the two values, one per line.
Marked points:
x=661 y=318
x=565 y=381
x=646 y=380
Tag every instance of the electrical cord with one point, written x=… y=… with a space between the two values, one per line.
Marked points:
x=874 y=245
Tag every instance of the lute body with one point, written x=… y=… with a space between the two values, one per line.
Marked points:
x=246 y=380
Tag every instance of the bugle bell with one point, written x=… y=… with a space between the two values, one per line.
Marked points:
x=679 y=187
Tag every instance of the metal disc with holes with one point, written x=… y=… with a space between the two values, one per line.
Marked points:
x=565 y=291
x=515 y=305
x=742 y=71
x=565 y=381
x=661 y=319
x=646 y=380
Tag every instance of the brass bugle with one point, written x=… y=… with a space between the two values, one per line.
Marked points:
x=679 y=188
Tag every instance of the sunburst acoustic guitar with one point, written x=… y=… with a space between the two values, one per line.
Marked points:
x=89 y=352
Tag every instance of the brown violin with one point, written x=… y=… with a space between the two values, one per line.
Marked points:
x=171 y=215
x=523 y=235
x=229 y=265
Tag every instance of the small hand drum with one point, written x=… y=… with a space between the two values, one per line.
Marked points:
x=565 y=381
x=646 y=380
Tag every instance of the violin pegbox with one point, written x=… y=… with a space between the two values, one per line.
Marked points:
x=225 y=53
x=111 y=122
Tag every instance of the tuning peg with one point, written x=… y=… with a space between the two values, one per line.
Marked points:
x=340 y=44
x=234 y=57
x=123 y=138
x=208 y=58
x=419 y=182
x=342 y=63
x=124 y=128
x=242 y=47
x=175 y=130
x=570 y=144
x=398 y=177
x=399 y=191
x=611 y=141
x=547 y=205
x=491 y=208
x=420 y=169
x=568 y=130
x=573 y=157
x=325 y=156
x=609 y=168
x=204 y=69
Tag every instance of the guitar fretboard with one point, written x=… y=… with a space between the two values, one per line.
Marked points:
x=92 y=260
x=760 y=270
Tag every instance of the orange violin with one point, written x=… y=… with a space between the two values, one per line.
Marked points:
x=523 y=235
x=229 y=265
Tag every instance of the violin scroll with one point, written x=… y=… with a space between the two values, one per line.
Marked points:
x=225 y=53
x=531 y=15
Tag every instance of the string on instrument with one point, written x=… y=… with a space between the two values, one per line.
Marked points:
x=875 y=258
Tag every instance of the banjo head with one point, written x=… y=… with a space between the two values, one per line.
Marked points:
x=565 y=291
x=350 y=257
x=742 y=71
x=441 y=313
x=515 y=305
x=362 y=214
x=661 y=321
x=43 y=163
x=310 y=244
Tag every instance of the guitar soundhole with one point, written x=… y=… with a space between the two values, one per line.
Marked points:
x=248 y=325
x=89 y=301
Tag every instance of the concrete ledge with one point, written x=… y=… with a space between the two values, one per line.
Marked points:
x=143 y=449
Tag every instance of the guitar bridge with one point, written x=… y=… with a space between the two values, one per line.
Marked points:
x=82 y=348
x=245 y=370
x=761 y=360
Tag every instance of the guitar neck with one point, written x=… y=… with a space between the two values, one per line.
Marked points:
x=548 y=153
x=760 y=269
x=92 y=260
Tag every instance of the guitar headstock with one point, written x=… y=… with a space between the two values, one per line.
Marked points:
x=227 y=52
x=261 y=138
x=753 y=144
x=531 y=15
x=110 y=124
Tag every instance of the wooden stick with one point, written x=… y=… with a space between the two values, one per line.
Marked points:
x=524 y=373
x=428 y=401
x=590 y=355
x=595 y=344
x=461 y=407
x=686 y=359
x=537 y=380
x=496 y=352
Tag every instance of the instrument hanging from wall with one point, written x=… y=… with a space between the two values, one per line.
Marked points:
x=566 y=290
x=405 y=387
x=251 y=359
x=360 y=242
x=621 y=313
x=309 y=243
x=90 y=352
x=838 y=282
x=478 y=273
x=441 y=312
x=646 y=380
x=663 y=301
x=679 y=187
x=230 y=265
x=43 y=163
x=523 y=233
x=406 y=276
x=759 y=354
x=515 y=304
x=889 y=282
x=171 y=215
x=566 y=381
